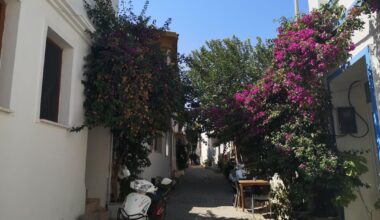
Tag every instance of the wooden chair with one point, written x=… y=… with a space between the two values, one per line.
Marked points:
x=262 y=198
x=237 y=199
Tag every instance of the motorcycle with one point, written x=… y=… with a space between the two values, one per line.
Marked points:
x=148 y=202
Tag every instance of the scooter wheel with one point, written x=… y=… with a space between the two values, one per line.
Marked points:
x=120 y=215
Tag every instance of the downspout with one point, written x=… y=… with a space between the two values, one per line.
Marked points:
x=110 y=165
x=236 y=154
x=296 y=8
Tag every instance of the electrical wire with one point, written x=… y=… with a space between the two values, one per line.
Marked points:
x=340 y=135
x=356 y=113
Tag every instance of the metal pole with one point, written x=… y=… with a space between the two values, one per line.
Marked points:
x=296 y=7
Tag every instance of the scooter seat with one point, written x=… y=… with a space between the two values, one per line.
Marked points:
x=136 y=204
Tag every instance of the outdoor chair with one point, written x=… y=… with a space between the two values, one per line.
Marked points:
x=261 y=195
x=236 y=202
x=257 y=194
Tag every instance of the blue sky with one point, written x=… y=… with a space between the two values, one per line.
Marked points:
x=197 y=21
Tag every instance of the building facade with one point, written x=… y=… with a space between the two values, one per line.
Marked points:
x=42 y=164
x=211 y=151
x=355 y=98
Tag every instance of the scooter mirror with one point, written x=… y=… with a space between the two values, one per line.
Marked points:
x=166 y=181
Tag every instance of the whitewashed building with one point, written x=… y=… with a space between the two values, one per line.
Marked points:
x=101 y=180
x=42 y=172
x=210 y=150
x=356 y=105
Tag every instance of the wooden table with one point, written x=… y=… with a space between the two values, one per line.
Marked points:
x=249 y=183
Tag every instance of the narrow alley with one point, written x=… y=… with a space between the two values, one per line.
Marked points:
x=204 y=194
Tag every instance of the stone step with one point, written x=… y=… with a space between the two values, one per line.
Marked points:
x=97 y=215
x=94 y=211
x=92 y=205
x=93 y=200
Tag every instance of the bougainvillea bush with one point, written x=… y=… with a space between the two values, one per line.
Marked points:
x=283 y=120
x=372 y=5
x=129 y=85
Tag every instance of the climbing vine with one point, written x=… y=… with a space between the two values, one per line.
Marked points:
x=130 y=87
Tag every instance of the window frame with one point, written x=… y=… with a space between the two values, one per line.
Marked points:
x=159 y=143
x=168 y=144
x=2 y=22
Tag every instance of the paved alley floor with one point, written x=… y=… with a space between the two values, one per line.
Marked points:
x=203 y=194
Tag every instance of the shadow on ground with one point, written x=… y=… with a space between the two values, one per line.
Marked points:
x=203 y=194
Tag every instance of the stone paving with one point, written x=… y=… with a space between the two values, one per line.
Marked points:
x=204 y=194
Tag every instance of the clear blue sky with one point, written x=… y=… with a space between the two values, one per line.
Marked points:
x=197 y=21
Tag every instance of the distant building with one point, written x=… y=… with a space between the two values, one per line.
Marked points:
x=210 y=150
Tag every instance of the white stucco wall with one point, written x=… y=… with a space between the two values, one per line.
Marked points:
x=368 y=37
x=339 y=91
x=316 y=3
x=208 y=148
x=162 y=163
x=160 y=166
x=42 y=165
x=203 y=148
x=78 y=5
x=7 y=56
x=313 y=4
x=98 y=164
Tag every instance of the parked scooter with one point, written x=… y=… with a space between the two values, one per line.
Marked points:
x=164 y=185
x=147 y=203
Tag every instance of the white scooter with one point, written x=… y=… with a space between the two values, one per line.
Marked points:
x=138 y=205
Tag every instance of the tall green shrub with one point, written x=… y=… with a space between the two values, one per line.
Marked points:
x=129 y=86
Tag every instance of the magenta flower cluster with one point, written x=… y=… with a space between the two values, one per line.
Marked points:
x=304 y=52
x=291 y=90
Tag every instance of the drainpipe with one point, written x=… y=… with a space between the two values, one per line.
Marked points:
x=296 y=8
x=236 y=154
x=110 y=168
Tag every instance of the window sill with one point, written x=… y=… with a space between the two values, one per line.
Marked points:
x=6 y=110
x=55 y=124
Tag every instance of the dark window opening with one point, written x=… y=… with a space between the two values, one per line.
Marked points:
x=51 y=82
x=158 y=144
